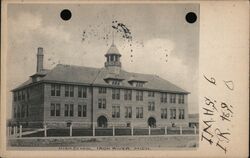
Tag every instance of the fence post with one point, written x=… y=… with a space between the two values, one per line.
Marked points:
x=166 y=130
x=149 y=130
x=113 y=130
x=70 y=130
x=132 y=130
x=194 y=129
x=180 y=130
x=20 y=131
x=93 y=129
x=45 y=130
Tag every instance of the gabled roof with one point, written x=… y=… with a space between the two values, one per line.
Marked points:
x=96 y=76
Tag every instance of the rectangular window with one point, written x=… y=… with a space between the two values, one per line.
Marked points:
x=71 y=110
x=151 y=106
x=82 y=110
x=116 y=82
x=22 y=111
x=15 y=96
x=102 y=90
x=28 y=94
x=18 y=111
x=181 y=99
x=102 y=103
x=139 y=112
x=23 y=95
x=66 y=90
x=53 y=89
x=58 y=90
x=69 y=91
x=164 y=113
x=116 y=94
x=139 y=84
x=172 y=113
x=164 y=97
x=82 y=92
x=181 y=114
x=116 y=111
x=58 y=109
x=139 y=95
x=127 y=94
x=151 y=94
x=27 y=111
x=19 y=95
x=52 y=109
x=15 y=113
x=128 y=112
x=172 y=98
x=66 y=110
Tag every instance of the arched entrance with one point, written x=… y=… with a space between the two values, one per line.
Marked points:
x=152 y=122
x=102 y=122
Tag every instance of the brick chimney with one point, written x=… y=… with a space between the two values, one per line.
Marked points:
x=39 y=66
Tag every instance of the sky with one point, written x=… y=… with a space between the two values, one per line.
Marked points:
x=163 y=43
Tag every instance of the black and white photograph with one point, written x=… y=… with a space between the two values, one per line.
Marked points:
x=103 y=76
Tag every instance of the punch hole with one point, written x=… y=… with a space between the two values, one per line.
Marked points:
x=191 y=17
x=65 y=14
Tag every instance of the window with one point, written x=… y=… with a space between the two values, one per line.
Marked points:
x=18 y=111
x=52 y=109
x=23 y=95
x=82 y=92
x=69 y=91
x=128 y=112
x=139 y=112
x=102 y=90
x=172 y=113
x=27 y=111
x=164 y=113
x=15 y=96
x=181 y=99
x=139 y=95
x=127 y=94
x=151 y=94
x=151 y=106
x=19 y=95
x=82 y=110
x=181 y=114
x=172 y=98
x=139 y=84
x=22 y=111
x=58 y=109
x=15 y=112
x=164 y=97
x=116 y=94
x=115 y=82
x=102 y=103
x=69 y=110
x=28 y=94
x=55 y=90
x=58 y=90
x=116 y=111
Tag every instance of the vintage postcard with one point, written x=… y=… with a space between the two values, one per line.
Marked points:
x=124 y=79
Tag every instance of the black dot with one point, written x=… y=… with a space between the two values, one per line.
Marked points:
x=191 y=17
x=65 y=14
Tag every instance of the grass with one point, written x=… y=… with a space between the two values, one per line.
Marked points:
x=152 y=142
x=108 y=132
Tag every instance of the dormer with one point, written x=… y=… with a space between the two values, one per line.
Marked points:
x=136 y=82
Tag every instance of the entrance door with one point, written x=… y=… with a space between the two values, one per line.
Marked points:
x=152 y=122
x=102 y=121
